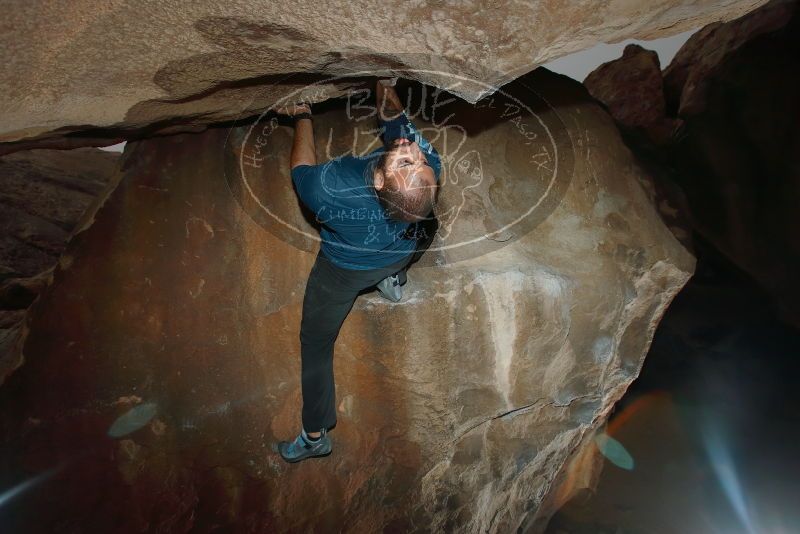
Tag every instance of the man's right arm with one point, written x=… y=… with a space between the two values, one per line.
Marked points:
x=303 y=149
x=303 y=166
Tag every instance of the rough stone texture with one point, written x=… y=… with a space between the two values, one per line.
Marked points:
x=736 y=154
x=43 y=196
x=133 y=67
x=172 y=324
x=633 y=90
x=699 y=60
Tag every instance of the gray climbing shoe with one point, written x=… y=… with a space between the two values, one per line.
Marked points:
x=302 y=447
x=391 y=287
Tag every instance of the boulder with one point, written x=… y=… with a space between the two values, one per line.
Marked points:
x=739 y=153
x=633 y=90
x=44 y=194
x=131 y=70
x=163 y=359
x=704 y=54
x=735 y=156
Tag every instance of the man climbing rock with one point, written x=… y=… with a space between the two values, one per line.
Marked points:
x=376 y=217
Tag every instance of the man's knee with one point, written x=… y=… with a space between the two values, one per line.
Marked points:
x=318 y=340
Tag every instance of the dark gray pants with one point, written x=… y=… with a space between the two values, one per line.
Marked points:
x=330 y=294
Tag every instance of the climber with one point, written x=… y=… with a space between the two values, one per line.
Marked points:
x=376 y=218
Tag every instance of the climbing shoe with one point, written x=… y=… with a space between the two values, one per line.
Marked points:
x=304 y=447
x=391 y=287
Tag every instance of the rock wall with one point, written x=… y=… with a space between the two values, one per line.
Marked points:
x=163 y=360
x=735 y=155
x=43 y=196
x=632 y=88
x=131 y=68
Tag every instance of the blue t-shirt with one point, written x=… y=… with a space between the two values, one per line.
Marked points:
x=355 y=231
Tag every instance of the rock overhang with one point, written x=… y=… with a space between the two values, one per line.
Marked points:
x=128 y=70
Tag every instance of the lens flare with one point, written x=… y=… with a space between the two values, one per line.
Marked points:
x=725 y=470
x=24 y=486
x=133 y=420
x=614 y=451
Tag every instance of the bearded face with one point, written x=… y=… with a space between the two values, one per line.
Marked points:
x=405 y=182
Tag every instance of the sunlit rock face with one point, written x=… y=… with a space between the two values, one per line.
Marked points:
x=130 y=69
x=163 y=361
x=736 y=155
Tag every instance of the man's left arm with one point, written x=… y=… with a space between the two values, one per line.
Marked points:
x=395 y=124
x=424 y=145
